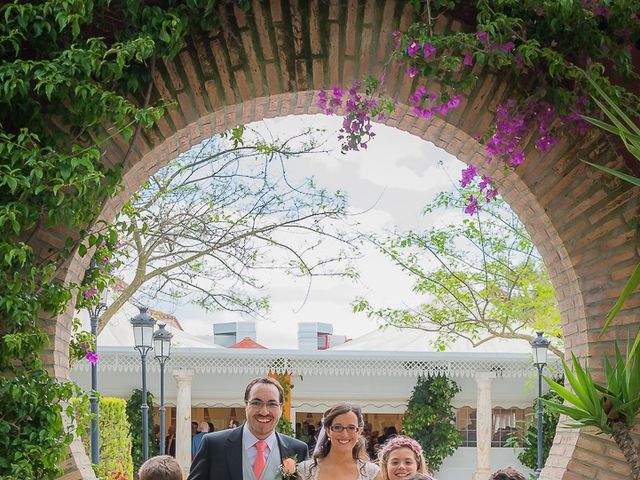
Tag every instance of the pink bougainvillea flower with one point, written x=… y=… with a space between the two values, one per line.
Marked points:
x=467 y=61
x=92 y=357
x=483 y=37
x=428 y=50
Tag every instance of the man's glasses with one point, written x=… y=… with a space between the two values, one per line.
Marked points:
x=258 y=404
x=349 y=428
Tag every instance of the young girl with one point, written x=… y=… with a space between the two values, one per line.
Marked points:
x=400 y=457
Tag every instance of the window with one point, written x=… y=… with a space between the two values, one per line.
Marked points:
x=466 y=425
x=506 y=422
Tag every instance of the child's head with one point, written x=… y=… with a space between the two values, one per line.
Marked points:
x=162 y=467
x=508 y=473
x=419 y=476
x=401 y=456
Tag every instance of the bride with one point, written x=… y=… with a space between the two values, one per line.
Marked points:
x=340 y=453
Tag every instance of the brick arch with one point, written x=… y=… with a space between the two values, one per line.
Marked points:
x=272 y=62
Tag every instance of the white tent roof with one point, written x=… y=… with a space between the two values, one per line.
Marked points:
x=393 y=339
x=119 y=333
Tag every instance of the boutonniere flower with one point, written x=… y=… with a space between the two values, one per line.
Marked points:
x=288 y=468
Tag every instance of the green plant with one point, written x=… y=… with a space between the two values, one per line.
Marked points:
x=33 y=406
x=73 y=74
x=134 y=415
x=612 y=408
x=115 y=441
x=430 y=418
x=285 y=427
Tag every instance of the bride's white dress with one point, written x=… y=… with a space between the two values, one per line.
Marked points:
x=366 y=470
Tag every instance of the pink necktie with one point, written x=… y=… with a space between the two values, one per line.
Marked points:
x=258 y=465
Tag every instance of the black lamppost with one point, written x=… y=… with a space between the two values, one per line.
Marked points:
x=143 y=324
x=162 y=352
x=540 y=346
x=94 y=430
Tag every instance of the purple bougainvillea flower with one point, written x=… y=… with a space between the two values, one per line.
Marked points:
x=467 y=61
x=483 y=37
x=412 y=71
x=517 y=158
x=454 y=101
x=484 y=183
x=428 y=50
x=92 y=357
x=90 y=292
x=468 y=174
x=491 y=194
x=413 y=48
x=505 y=47
x=472 y=205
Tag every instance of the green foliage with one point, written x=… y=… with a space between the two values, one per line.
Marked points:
x=115 y=441
x=72 y=75
x=612 y=408
x=597 y=405
x=529 y=455
x=134 y=415
x=481 y=277
x=32 y=428
x=430 y=418
x=285 y=427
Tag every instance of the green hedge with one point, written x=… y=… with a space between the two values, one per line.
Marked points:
x=115 y=441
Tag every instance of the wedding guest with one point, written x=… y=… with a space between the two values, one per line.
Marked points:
x=170 y=441
x=340 y=452
x=162 y=467
x=508 y=473
x=401 y=456
x=254 y=450
x=203 y=428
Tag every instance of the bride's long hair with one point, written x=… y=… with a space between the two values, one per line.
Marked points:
x=323 y=445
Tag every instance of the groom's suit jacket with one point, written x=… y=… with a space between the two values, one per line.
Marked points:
x=220 y=455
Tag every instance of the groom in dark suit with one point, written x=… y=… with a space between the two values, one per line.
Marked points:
x=253 y=451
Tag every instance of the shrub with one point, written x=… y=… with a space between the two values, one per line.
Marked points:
x=115 y=441
x=430 y=418
x=134 y=414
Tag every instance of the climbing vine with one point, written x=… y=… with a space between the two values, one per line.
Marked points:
x=73 y=75
x=553 y=51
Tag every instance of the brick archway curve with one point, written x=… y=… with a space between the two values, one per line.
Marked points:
x=272 y=62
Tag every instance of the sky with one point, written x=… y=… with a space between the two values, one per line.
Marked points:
x=387 y=185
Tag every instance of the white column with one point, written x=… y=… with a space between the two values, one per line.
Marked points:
x=183 y=419
x=483 y=425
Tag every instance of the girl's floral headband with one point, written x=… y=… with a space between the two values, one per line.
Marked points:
x=400 y=441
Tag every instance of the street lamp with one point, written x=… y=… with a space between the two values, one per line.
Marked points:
x=162 y=352
x=540 y=346
x=143 y=324
x=94 y=430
